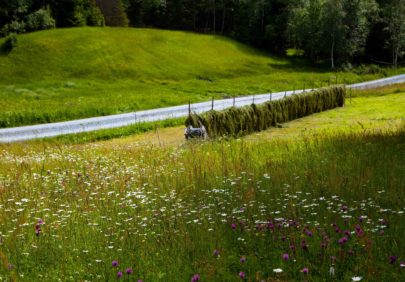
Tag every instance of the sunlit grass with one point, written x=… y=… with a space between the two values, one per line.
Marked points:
x=215 y=208
x=73 y=73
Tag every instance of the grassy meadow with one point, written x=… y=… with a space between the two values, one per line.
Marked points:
x=320 y=199
x=64 y=74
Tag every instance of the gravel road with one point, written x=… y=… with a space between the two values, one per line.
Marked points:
x=89 y=124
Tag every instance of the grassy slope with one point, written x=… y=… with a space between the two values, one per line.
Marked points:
x=163 y=211
x=72 y=73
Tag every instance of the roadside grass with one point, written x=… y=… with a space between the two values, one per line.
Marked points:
x=106 y=134
x=329 y=200
x=66 y=74
x=368 y=109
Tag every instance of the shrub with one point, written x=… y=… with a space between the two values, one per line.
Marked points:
x=369 y=69
x=248 y=119
x=40 y=20
x=10 y=43
x=94 y=15
x=13 y=27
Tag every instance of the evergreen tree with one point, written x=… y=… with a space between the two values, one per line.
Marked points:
x=114 y=12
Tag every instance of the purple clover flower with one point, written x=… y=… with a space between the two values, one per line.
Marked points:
x=114 y=263
x=233 y=226
x=359 y=230
x=393 y=259
x=129 y=271
x=119 y=274
x=195 y=278
x=216 y=253
x=343 y=241
x=242 y=275
x=242 y=259
x=38 y=227
x=286 y=257
x=305 y=270
x=270 y=225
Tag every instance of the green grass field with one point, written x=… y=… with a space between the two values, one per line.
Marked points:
x=323 y=193
x=65 y=74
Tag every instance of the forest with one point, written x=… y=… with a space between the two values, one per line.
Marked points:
x=340 y=33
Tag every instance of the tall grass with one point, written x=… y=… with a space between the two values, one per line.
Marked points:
x=254 y=118
x=215 y=209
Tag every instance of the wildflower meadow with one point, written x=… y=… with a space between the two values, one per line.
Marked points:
x=323 y=205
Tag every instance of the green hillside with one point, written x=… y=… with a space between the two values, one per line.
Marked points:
x=73 y=73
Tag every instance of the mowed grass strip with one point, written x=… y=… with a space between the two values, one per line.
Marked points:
x=223 y=209
x=74 y=73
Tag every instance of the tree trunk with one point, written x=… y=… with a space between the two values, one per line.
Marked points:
x=396 y=51
x=332 y=50
x=223 y=16
x=262 y=23
x=215 y=18
x=194 y=16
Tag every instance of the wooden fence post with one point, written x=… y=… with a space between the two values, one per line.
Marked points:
x=189 y=109
x=212 y=104
x=234 y=101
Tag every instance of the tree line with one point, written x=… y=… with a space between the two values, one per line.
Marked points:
x=342 y=32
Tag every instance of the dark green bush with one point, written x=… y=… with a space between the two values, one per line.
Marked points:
x=13 y=27
x=245 y=120
x=40 y=20
x=369 y=69
x=10 y=43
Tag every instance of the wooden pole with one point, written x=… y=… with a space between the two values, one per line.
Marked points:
x=157 y=133
x=189 y=109
x=304 y=87
x=212 y=104
x=234 y=101
x=271 y=94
